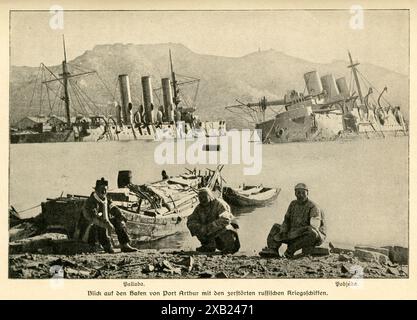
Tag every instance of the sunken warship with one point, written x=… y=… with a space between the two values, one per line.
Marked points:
x=330 y=110
x=173 y=119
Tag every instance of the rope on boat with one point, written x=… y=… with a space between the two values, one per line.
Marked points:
x=19 y=212
x=269 y=132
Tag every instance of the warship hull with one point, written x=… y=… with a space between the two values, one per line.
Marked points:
x=305 y=125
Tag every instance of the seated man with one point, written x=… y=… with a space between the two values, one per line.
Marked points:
x=212 y=223
x=99 y=218
x=303 y=227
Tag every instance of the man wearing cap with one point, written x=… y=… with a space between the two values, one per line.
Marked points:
x=304 y=226
x=213 y=224
x=99 y=218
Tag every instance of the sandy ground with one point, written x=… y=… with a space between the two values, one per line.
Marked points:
x=182 y=264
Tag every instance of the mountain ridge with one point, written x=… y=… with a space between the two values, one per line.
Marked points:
x=268 y=73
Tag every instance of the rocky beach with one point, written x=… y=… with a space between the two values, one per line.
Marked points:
x=41 y=256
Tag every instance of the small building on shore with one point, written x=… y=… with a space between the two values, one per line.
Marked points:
x=31 y=122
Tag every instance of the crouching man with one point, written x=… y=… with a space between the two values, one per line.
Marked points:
x=99 y=218
x=212 y=223
x=303 y=228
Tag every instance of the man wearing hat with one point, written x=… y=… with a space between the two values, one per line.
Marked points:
x=99 y=218
x=304 y=226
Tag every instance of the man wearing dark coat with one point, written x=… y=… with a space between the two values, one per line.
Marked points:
x=99 y=218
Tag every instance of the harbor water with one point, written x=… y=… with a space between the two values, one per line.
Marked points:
x=361 y=185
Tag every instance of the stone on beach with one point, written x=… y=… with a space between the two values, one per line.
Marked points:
x=371 y=256
x=373 y=249
x=398 y=254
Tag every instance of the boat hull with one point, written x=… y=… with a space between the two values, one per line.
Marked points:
x=49 y=137
x=123 y=133
x=62 y=215
x=237 y=198
x=302 y=124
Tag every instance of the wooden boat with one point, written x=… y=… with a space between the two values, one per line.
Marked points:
x=250 y=195
x=153 y=211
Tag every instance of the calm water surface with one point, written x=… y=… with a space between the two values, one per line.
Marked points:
x=362 y=185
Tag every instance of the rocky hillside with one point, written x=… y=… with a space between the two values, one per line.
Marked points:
x=223 y=79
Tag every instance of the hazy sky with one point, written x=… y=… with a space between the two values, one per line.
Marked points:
x=319 y=36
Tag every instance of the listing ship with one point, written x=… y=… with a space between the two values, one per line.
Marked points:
x=173 y=119
x=329 y=111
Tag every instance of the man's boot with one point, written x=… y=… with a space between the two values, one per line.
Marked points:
x=269 y=253
x=205 y=249
x=127 y=248
x=108 y=249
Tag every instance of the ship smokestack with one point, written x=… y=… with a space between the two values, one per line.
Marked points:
x=119 y=114
x=313 y=83
x=343 y=87
x=329 y=84
x=148 y=99
x=168 y=102
x=125 y=95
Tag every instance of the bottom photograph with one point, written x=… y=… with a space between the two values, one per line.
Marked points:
x=317 y=216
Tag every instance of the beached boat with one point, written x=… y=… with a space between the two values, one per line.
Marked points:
x=153 y=211
x=250 y=195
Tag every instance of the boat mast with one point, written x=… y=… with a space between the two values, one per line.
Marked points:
x=174 y=83
x=65 y=75
x=355 y=74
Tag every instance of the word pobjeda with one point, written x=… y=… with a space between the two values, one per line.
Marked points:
x=244 y=146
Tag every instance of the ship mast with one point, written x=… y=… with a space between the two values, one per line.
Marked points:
x=174 y=83
x=65 y=75
x=355 y=74
x=64 y=81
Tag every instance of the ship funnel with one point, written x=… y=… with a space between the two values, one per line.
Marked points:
x=343 y=87
x=313 y=84
x=329 y=84
x=148 y=99
x=168 y=102
x=125 y=95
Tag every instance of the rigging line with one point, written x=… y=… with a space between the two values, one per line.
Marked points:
x=76 y=94
x=242 y=116
x=350 y=82
x=187 y=77
x=79 y=68
x=73 y=106
x=34 y=88
x=90 y=110
x=78 y=98
x=196 y=93
x=40 y=98
x=105 y=85
x=370 y=84
x=47 y=92
x=47 y=85
x=55 y=99
x=157 y=97
x=53 y=74
x=115 y=88
x=86 y=97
